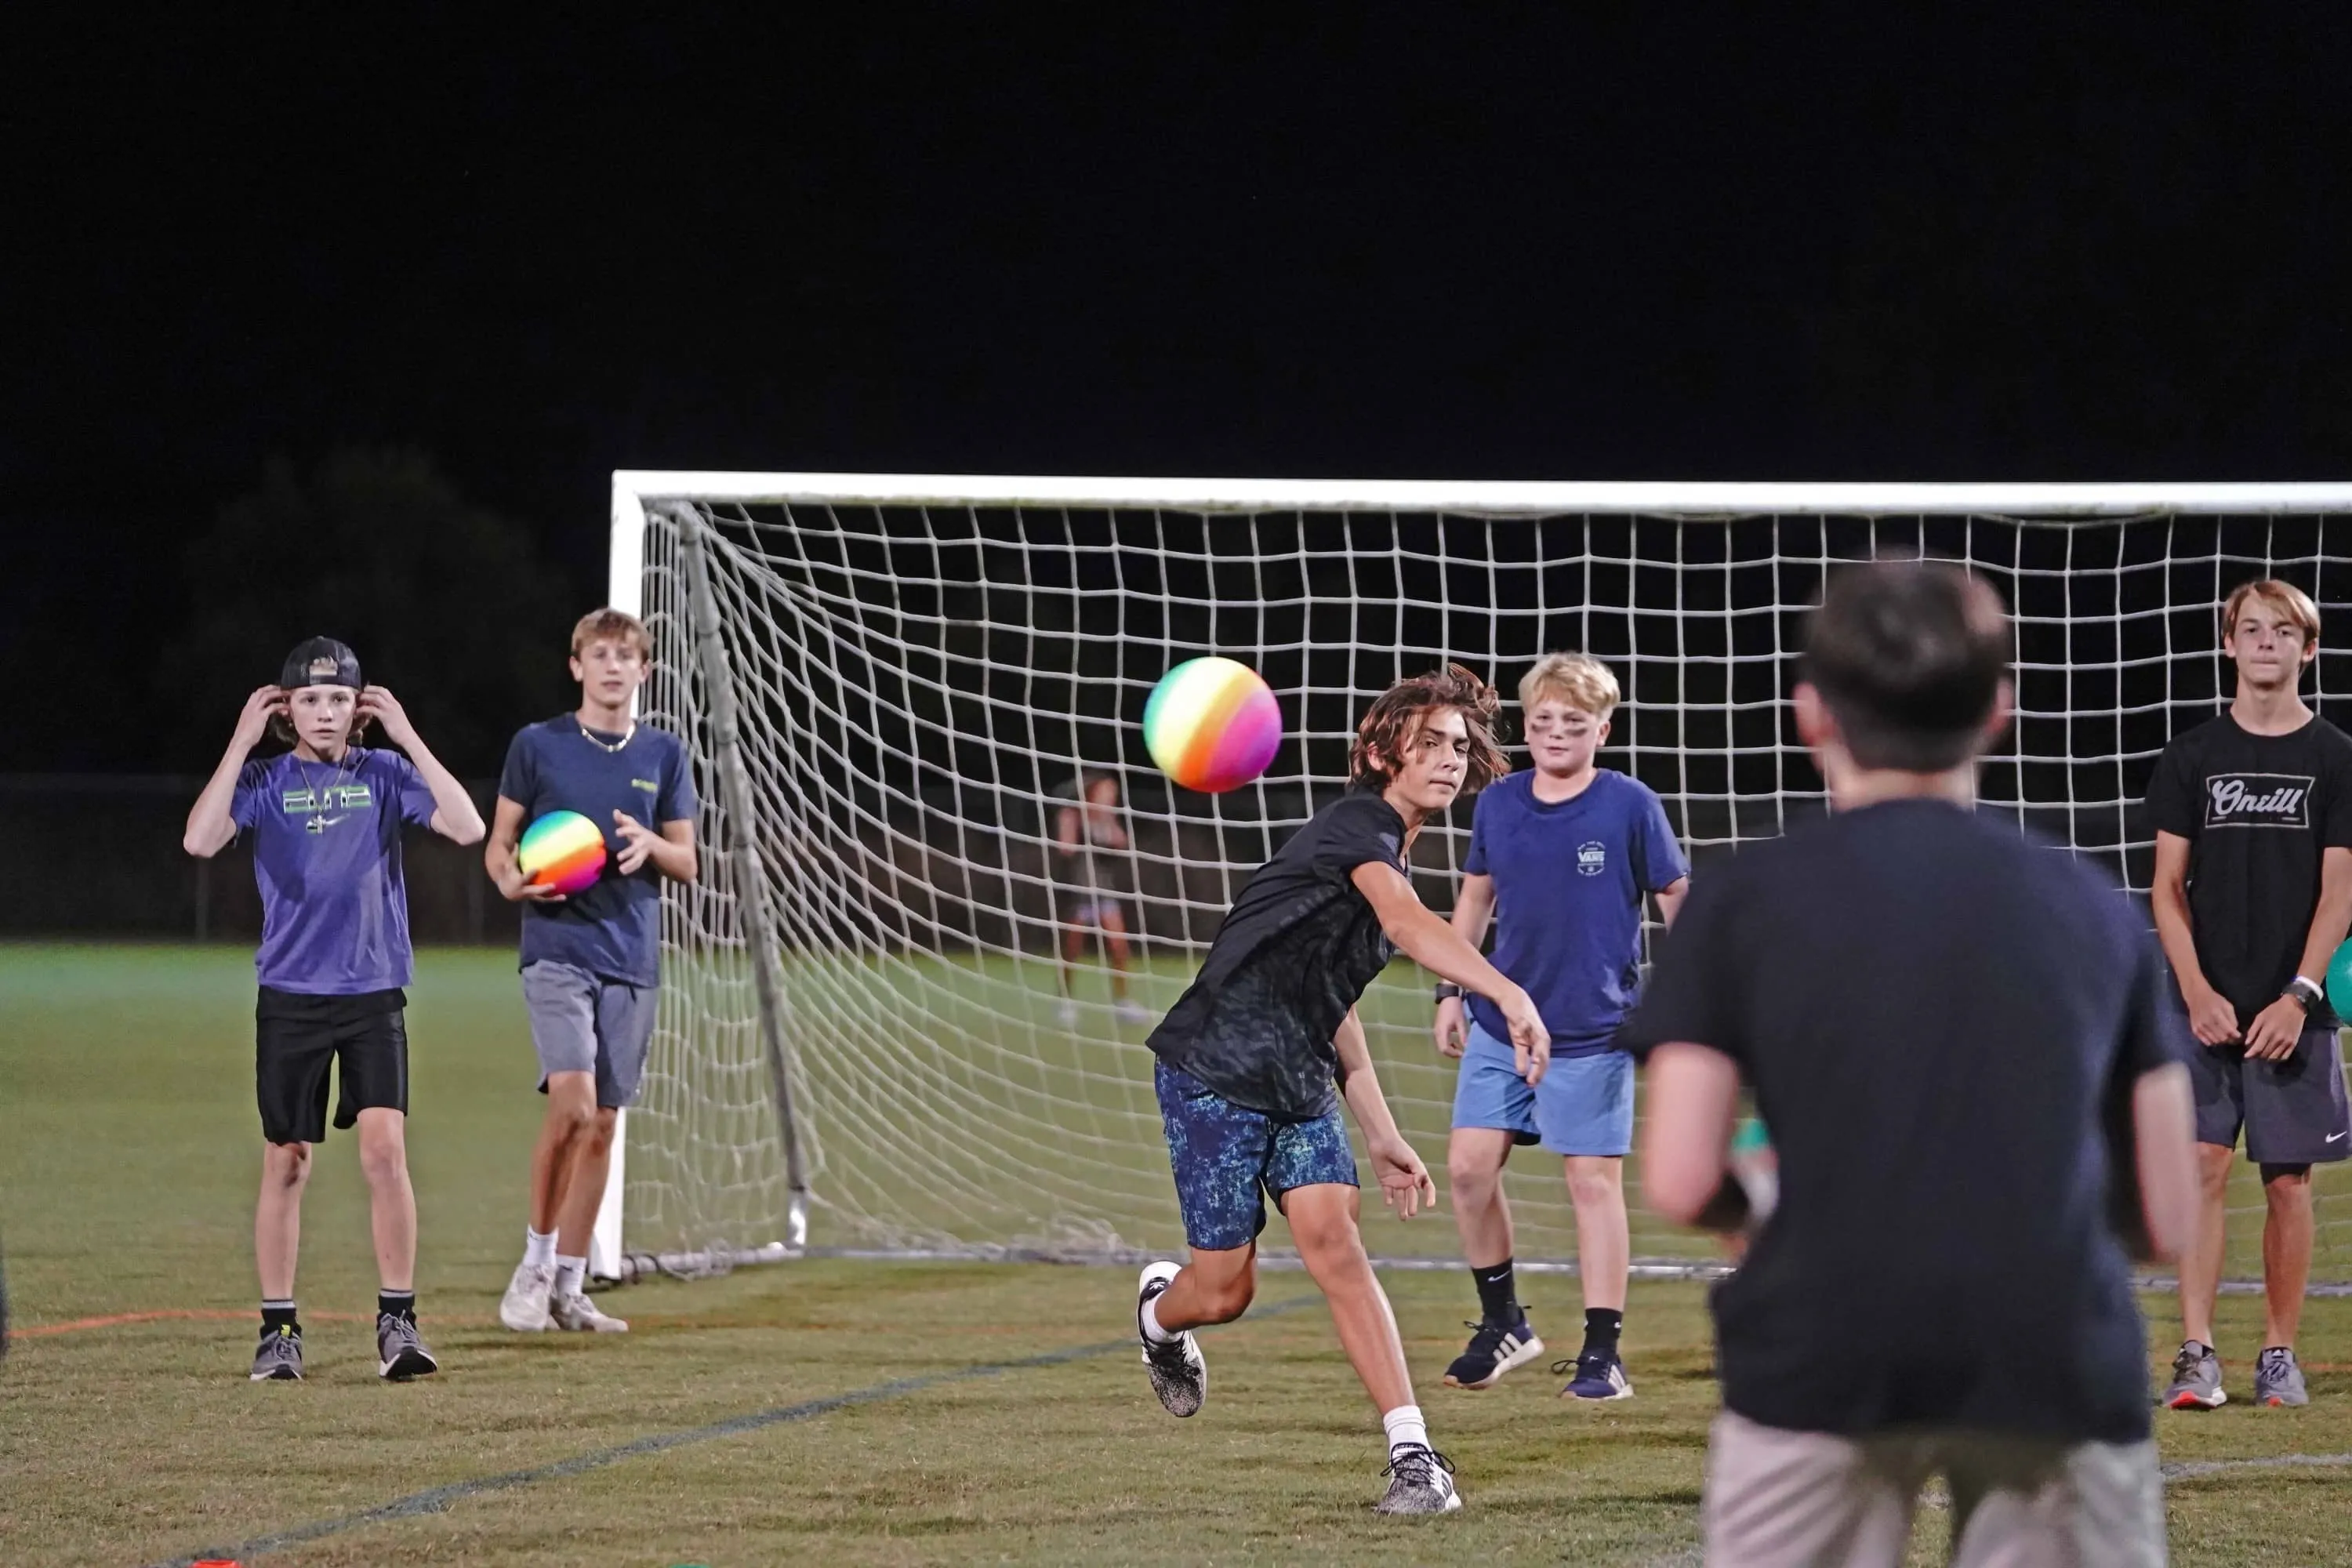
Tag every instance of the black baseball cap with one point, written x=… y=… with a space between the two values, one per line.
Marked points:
x=321 y=662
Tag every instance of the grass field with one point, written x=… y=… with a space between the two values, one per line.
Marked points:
x=866 y=1413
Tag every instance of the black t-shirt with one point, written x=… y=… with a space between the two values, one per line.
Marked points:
x=1942 y=1021
x=1294 y=953
x=2256 y=810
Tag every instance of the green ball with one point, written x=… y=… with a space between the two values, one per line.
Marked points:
x=2339 y=981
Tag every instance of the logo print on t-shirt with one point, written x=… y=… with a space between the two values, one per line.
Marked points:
x=1591 y=858
x=2257 y=800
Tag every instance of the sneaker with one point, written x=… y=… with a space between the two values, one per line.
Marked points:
x=400 y=1354
x=1132 y=1011
x=2197 y=1379
x=280 y=1357
x=1420 y=1480
x=523 y=1309
x=2277 y=1379
x=1065 y=1011
x=1180 y=1373
x=1598 y=1374
x=1493 y=1350
x=579 y=1315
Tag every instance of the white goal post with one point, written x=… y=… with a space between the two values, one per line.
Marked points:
x=888 y=683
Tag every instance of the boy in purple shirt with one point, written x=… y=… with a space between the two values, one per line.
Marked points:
x=326 y=820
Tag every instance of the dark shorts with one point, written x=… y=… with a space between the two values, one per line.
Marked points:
x=2293 y=1112
x=1225 y=1155
x=297 y=1039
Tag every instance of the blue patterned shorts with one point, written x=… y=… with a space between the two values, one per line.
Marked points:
x=1225 y=1154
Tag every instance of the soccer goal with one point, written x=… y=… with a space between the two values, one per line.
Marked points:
x=889 y=685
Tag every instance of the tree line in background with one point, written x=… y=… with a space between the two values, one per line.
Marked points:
x=450 y=604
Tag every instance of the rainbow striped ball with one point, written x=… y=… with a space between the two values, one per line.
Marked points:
x=1211 y=724
x=562 y=850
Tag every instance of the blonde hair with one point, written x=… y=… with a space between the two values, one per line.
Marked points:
x=612 y=625
x=1578 y=680
x=2285 y=597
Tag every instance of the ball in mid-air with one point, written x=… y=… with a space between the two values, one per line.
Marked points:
x=1211 y=724
x=2340 y=982
x=562 y=850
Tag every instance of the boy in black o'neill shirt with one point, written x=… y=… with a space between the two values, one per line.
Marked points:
x=1960 y=1040
x=1256 y=1055
x=2252 y=813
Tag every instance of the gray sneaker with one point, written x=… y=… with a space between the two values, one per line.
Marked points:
x=400 y=1354
x=280 y=1357
x=2277 y=1379
x=2195 y=1379
x=1179 y=1373
x=1420 y=1480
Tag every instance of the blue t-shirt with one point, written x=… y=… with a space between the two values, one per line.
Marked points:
x=326 y=852
x=1569 y=878
x=613 y=927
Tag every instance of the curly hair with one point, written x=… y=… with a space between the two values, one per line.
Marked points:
x=1396 y=714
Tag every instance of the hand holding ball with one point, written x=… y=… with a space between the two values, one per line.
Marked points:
x=1211 y=724
x=562 y=850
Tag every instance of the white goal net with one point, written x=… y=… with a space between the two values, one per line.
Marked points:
x=923 y=667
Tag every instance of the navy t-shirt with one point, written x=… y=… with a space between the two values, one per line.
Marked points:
x=326 y=854
x=613 y=927
x=1569 y=878
x=1942 y=1020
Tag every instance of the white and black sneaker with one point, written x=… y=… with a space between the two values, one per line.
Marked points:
x=278 y=1358
x=1420 y=1480
x=524 y=1307
x=1493 y=1351
x=399 y=1352
x=577 y=1314
x=1179 y=1375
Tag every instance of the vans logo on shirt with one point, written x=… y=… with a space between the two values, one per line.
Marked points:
x=1591 y=858
x=2257 y=800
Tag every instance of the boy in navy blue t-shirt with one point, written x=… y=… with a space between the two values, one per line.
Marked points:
x=326 y=820
x=1561 y=857
x=592 y=961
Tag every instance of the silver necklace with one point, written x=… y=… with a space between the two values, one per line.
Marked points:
x=590 y=736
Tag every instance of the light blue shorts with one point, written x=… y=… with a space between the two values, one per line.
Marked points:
x=1583 y=1106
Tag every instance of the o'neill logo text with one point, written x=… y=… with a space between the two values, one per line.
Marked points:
x=2257 y=800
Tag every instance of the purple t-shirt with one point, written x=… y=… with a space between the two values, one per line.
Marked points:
x=1569 y=877
x=326 y=851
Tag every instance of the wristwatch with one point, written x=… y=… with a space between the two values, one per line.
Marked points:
x=1447 y=991
x=2305 y=990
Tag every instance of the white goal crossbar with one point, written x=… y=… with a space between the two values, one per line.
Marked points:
x=824 y=579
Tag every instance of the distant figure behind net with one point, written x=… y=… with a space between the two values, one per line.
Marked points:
x=1093 y=881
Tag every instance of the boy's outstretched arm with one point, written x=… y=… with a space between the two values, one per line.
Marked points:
x=1405 y=1182
x=211 y=821
x=455 y=816
x=1435 y=945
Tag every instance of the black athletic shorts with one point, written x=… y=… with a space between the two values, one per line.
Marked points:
x=2293 y=1112
x=298 y=1037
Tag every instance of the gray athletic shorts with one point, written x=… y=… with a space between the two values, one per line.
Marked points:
x=585 y=1023
x=1776 y=1499
x=2293 y=1113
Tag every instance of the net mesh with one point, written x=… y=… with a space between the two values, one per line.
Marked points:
x=921 y=685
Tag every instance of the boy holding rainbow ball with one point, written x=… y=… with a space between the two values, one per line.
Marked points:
x=610 y=805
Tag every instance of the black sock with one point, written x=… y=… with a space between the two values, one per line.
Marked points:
x=1497 y=1293
x=276 y=1315
x=1602 y=1327
x=396 y=1304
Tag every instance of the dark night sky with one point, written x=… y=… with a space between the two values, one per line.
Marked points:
x=1698 y=244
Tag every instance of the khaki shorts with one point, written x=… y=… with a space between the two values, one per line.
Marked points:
x=1812 y=1499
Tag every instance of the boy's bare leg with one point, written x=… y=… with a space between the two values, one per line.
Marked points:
x=1474 y=1176
x=583 y=1186
x=392 y=1200
x=571 y=1114
x=1323 y=1222
x=2287 y=1233
x=1604 y=1246
x=278 y=1218
x=1213 y=1287
x=1113 y=939
x=2201 y=1260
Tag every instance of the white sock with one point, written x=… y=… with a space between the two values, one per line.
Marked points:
x=1405 y=1425
x=572 y=1276
x=538 y=1248
x=1151 y=1329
